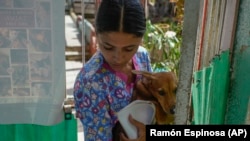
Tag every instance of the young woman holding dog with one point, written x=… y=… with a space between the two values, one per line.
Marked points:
x=105 y=83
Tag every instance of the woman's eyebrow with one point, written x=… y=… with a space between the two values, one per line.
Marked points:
x=108 y=44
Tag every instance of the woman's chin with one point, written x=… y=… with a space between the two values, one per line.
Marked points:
x=118 y=68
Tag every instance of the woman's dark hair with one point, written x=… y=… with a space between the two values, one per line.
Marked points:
x=121 y=15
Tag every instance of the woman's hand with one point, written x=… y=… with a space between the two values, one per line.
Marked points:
x=141 y=128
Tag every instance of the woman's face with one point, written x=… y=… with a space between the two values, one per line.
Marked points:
x=118 y=48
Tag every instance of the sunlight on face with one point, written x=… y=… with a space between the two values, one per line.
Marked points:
x=118 y=48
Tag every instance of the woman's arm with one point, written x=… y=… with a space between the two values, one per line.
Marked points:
x=91 y=109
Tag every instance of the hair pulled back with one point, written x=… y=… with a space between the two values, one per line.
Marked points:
x=121 y=16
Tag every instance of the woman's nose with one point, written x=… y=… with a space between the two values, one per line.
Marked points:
x=118 y=56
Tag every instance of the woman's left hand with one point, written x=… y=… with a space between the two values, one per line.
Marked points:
x=141 y=128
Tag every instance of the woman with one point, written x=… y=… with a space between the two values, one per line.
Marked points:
x=104 y=85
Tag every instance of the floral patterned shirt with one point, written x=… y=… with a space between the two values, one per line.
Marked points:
x=100 y=92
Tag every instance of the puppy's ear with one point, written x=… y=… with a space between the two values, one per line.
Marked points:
x=140 y=72
x=173 y=75
x=144 y=74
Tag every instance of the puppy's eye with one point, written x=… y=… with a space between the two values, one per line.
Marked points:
x=161 y=92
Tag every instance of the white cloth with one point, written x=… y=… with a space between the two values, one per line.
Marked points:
x=32 y=62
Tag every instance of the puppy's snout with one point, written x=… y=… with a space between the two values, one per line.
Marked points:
x=172 y=110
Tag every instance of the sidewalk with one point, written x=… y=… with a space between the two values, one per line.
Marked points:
x=72 y=69
x=80 y=131
x=73 y=53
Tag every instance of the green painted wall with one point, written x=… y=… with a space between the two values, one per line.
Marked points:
x=221 y=91
x=63 y=131
x=238 y=100
x=210 y=91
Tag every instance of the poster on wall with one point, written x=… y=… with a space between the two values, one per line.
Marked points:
x=32 y=61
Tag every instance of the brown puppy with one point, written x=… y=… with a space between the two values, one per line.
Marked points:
x=160 y=88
